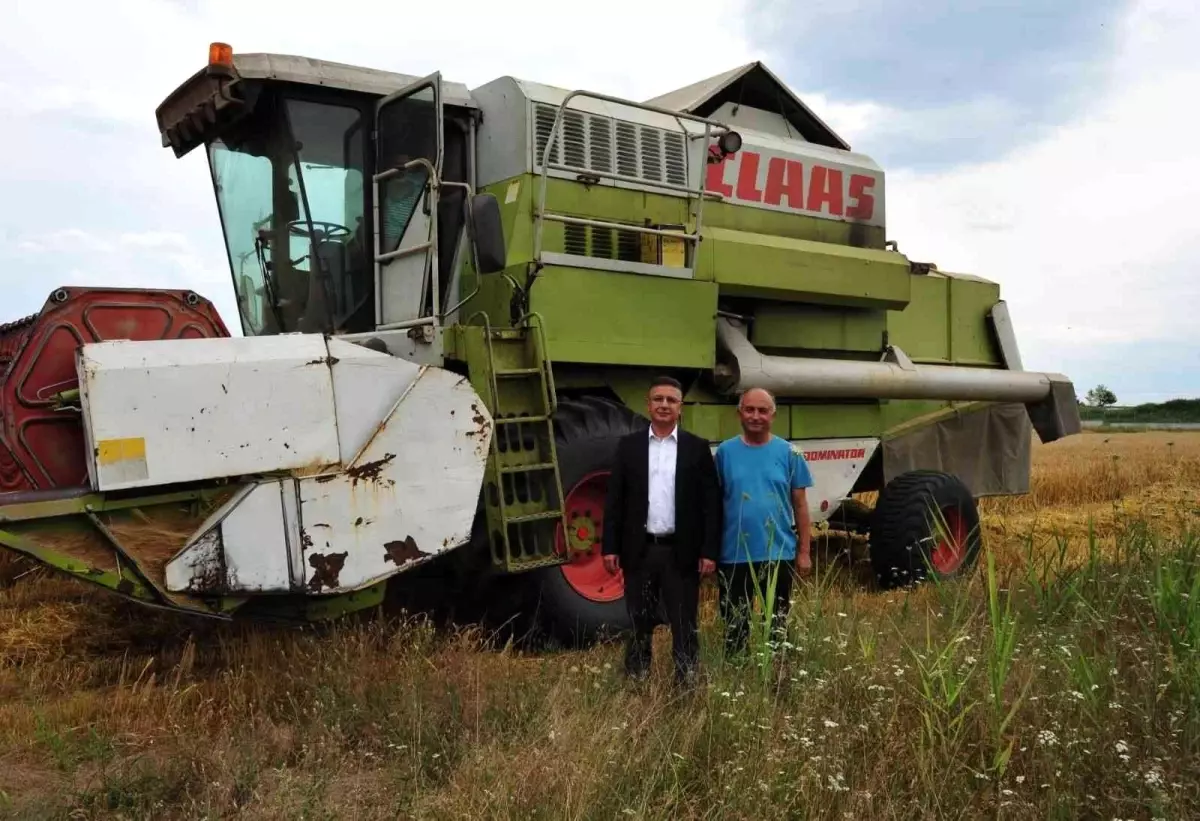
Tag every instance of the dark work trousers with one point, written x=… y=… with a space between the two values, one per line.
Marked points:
x=739 y=595
x=659 y=580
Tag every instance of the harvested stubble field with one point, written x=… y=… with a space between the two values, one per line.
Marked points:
x=1062 y=684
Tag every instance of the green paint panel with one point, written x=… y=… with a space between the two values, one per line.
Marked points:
x=334 y=607
x=897 y=412
x=836 y=421
x=97 y=502
x=947 y=321
x=818 y=328
x=615 y=204
x=626 y=319
x=758 y=265
x=970 y=336
x=795 y=226
x=922 y=330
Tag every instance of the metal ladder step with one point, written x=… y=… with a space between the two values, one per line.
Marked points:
x=517 y=420
x=535 y=517
x=527 y=539
x=527 y=468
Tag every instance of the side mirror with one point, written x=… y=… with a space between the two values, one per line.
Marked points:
x=489 y=234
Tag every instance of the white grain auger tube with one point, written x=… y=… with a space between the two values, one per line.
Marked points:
x=352 y=464
x=1044 y=395
x=896 y=379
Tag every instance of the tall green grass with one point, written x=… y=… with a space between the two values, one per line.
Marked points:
x=1035 y=689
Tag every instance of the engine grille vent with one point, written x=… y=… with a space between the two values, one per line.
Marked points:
x=602 y=243
x=593 y=142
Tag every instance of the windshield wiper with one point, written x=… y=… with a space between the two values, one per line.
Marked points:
x=260 y=244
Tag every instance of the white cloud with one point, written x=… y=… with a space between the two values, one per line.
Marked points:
x=1091 y=231
x=95 y=199
x=75 y=256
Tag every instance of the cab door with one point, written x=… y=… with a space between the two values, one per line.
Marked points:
x=409 y=144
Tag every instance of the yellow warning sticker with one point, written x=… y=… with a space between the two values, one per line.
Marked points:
x=110 y=451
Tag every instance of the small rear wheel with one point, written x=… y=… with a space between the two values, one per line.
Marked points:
x=926 y=523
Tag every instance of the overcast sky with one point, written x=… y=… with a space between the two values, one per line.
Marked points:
x=1049 y=146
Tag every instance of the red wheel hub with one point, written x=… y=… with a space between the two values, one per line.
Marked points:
x=951 y=547
x=584 y=570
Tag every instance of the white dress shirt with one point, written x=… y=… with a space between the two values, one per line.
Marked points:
x=660 y=520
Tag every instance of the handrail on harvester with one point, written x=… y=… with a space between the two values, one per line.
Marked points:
x=540 y=213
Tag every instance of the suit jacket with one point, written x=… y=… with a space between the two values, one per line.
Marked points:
x=698 y=510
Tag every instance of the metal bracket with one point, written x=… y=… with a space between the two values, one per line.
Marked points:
x=896 y=356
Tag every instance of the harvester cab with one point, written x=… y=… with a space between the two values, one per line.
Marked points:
x=344 y=211
x=451 y=303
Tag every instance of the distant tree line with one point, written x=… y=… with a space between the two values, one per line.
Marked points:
x=1101 y=403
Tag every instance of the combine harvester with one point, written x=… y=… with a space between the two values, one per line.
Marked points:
x=452 y=303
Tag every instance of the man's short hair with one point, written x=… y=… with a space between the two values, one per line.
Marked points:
x=770 y=396
x=669 y=381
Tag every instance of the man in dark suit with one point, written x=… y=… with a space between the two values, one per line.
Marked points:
x=662 y=526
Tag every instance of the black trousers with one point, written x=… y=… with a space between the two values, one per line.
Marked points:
x=739 y=585
x=658 y=581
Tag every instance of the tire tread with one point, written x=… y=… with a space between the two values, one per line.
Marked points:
x=900 y=521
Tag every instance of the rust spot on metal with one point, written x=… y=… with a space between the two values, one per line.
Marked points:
x=208 y=576
x=325 y=360
x=305 y=540
x=401 y=553
x=369 y=471
x=321 y=524
x=360 y=521
x=323 y=479
x=125 y=586
x=326 y=568
x=481 y=422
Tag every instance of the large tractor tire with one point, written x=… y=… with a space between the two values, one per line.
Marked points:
x=581 y=603
x=925 y=523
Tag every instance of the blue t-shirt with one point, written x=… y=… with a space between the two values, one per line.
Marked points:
x=757 y=483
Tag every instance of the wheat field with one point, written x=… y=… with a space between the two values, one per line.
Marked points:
x=1059 y=681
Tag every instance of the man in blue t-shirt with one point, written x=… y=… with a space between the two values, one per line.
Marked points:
x=767 y=523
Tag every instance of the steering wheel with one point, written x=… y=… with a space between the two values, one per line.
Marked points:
x=322 y=230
